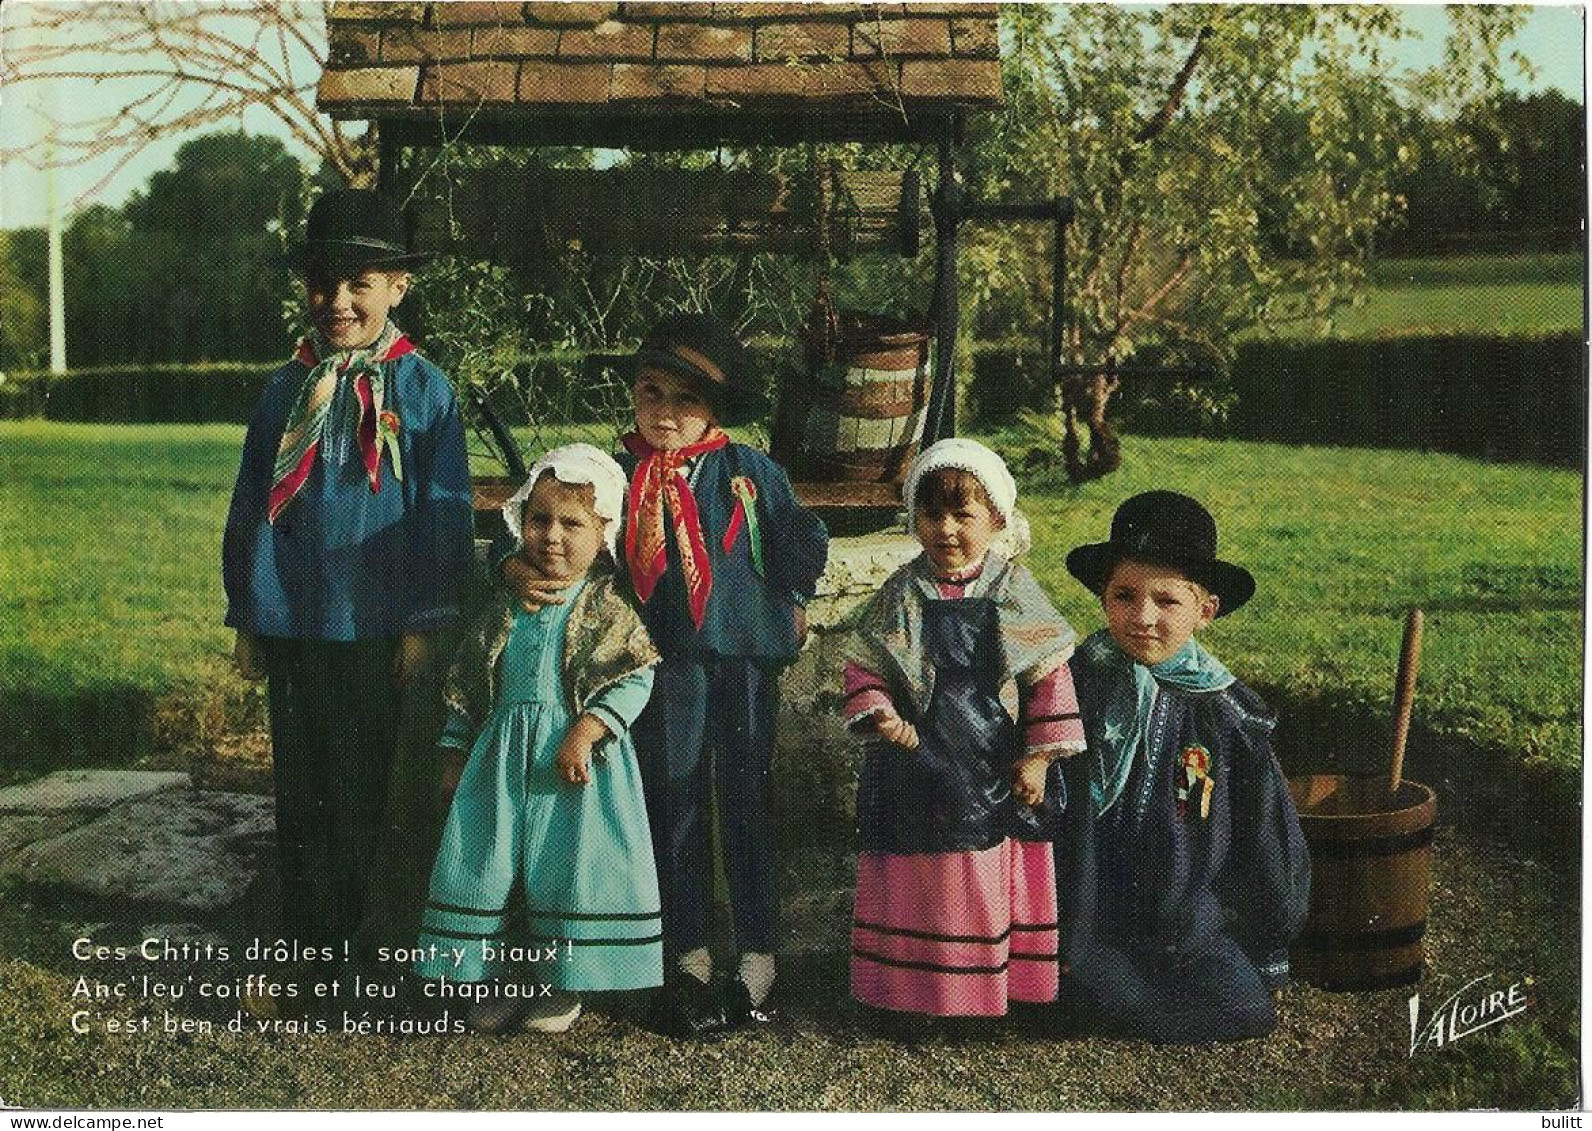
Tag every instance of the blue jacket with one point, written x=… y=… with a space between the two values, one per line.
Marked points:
x=1146 y=879
x=747 y=616
x=343 y=562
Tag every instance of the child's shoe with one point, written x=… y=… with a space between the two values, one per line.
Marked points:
x=553 y=1014
x=749 y=996
x=687 y=1007
x=739 y=1010
x=495 y=1016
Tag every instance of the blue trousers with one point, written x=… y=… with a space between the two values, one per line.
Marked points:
x=335 y=713
x=711 y=723
x=1210 y=993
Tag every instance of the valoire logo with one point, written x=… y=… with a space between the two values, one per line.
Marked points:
x=1479 y=1004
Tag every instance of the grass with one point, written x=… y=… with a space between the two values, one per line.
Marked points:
x=112 y=606
x=1483 y=294
x=109 y=547
x=112 y=539
x=1342 y=541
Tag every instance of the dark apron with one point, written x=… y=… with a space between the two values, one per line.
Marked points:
x=953 y=793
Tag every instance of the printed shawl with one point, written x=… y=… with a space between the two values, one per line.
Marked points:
x=1035 y=639
x=310 y=425
x=659 y=485
x=604 y=641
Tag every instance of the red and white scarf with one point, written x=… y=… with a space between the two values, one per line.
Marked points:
x=659 y=484
x=310 y=424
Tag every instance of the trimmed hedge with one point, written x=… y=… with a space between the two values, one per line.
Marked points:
x=223 y=392
x=1492 y=397
x=1506 y=398
x=1510 y=398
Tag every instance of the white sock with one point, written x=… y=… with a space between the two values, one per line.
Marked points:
x=698 y=963
x=757 y=973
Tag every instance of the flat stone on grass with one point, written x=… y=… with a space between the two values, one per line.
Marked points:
x=193 y=852
x=18 y=830
x=91 y=790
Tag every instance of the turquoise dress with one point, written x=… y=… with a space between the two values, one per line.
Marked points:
x=536 y=878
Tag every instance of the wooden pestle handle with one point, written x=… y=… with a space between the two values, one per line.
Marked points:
x=1404 y=694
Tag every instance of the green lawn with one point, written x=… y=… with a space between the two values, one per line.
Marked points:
x=1484 y=294
x=109 y=549
x=112 y=537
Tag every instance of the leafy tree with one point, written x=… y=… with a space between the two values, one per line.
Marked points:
x=1186 y=135
x=1509 y=166
x=210 y=233
x=189 y=269
x=105 y=273
x=24 y=334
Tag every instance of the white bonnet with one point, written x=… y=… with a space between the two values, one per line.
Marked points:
x=964 y=455
x=575 y=464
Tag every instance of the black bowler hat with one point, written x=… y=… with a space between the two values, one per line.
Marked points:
x=352 y=229
x=706 y=352
x=1165 y=528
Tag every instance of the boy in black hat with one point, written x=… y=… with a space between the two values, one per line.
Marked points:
x=722 y=559
x=1182 y=874
x=347 y=540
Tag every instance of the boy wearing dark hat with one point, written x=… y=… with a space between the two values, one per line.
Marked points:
x=722 y=560
x=347 y=540
x=1182 y=874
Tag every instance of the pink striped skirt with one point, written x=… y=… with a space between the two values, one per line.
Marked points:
x=955 y=934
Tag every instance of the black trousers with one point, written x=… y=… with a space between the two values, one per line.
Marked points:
x=335 y=712
x=711 y=723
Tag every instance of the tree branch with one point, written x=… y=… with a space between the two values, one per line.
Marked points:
x=1174 y=95
x=188 y=66
x=1179 y=273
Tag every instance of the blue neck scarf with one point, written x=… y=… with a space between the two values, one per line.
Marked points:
x=1130 y=697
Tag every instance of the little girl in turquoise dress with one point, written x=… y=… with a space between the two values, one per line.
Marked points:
x=544 y=882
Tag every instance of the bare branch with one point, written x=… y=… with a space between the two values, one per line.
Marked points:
x=1178 y=275
x=185 y=66
x=1174 y=95
x=1135 y=235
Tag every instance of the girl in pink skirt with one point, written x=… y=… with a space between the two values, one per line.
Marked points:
x=959 y=685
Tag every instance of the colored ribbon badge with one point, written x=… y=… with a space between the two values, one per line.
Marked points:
x=387 y=428
x=1196 y=776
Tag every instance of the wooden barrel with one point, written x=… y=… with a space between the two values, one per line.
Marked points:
x=1370 y=863
x=858 y=418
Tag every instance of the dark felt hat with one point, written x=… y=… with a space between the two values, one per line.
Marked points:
x=1165 y=528
x=353 y=229
x=706 y=352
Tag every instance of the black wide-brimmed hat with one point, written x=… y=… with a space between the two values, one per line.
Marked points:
x=353 y=229
x=706 y=352
x=1165 y=528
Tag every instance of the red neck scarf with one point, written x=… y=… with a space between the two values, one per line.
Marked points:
x=659 y=484
x=374 y=427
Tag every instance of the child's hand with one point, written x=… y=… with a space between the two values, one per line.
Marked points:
x=453 y=760
x=1028 y=779
x=799 y=619
x=411 y=654
x=572 y=763
x=893 y=728
x=246 y=657
x=573 y=760
x=534 y=591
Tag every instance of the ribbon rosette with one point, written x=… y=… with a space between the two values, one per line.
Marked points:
x=1196 y=773
x=387 y=428
x=745 y=492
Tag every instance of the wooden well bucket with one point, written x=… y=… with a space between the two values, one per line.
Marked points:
x=858 y=416
x=1370 y=864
